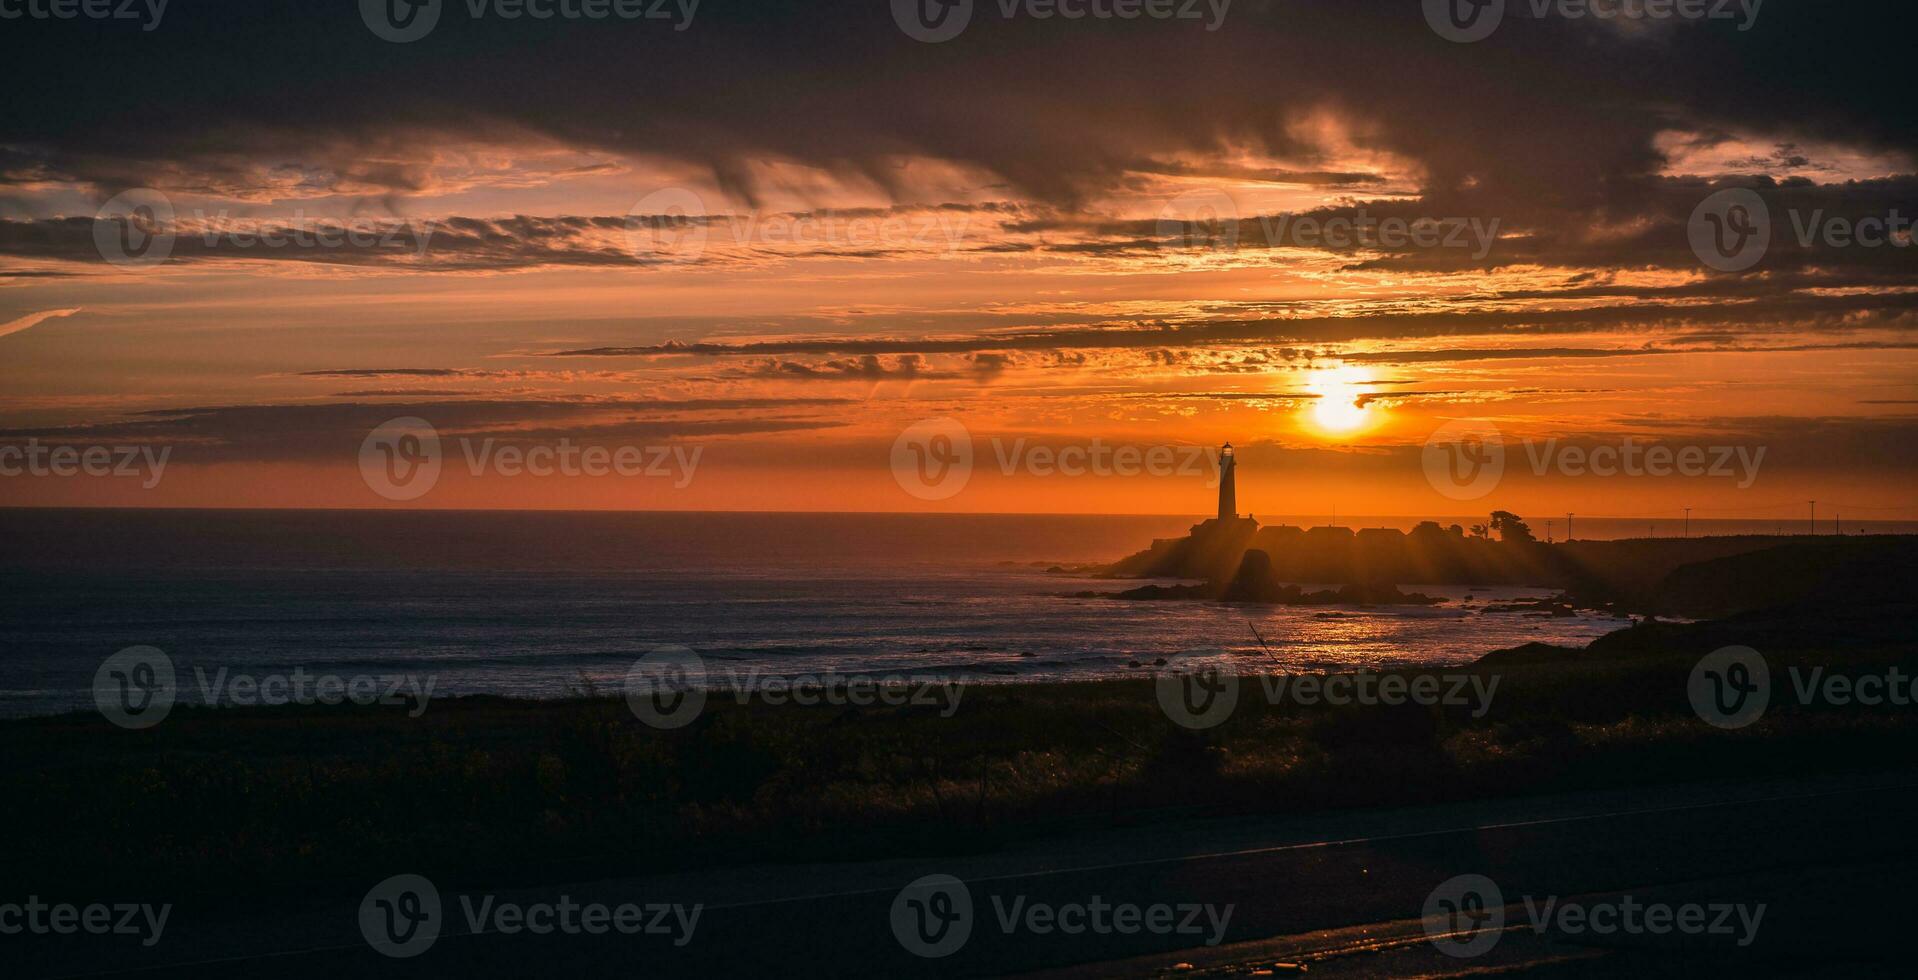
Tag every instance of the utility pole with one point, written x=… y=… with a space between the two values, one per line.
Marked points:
x=1814 y=516
x=1548 y=532
x=1688 y=522
x=1568 y=527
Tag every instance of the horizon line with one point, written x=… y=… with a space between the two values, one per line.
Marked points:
x=1550 y=516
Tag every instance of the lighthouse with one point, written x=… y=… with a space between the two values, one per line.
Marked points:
x=1228 y=490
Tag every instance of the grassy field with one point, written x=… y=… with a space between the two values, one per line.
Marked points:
x=224 y=804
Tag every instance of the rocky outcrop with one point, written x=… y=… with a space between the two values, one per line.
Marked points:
x=1255 y=581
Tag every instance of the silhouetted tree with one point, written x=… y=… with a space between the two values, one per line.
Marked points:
x=1510 y=528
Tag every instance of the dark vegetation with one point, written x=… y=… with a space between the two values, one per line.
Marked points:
x=230 y=805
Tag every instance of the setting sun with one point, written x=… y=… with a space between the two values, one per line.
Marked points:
x=1340 y=408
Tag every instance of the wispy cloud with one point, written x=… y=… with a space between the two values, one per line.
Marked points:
x=33 y=320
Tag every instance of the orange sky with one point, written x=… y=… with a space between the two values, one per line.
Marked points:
x=786 y=313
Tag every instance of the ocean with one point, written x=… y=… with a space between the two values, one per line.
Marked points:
x=543 y=604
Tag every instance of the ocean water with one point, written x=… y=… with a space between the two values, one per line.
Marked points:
x=544 y=604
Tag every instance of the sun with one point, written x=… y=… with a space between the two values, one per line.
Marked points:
x=1340 y=408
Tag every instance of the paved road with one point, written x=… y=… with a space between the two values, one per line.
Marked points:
x=1829 y=857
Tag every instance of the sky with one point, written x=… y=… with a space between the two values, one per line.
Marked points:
x=814 y=257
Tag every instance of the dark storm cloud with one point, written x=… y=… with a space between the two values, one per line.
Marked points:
x=1550 y=111
x=332 y=431
x=868 y=367
x=1551 y=129
x=467 y=244
x=385 y=373
x=1841 y=312
x=456 y=244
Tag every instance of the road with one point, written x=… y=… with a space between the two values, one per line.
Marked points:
x=1829 y=858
